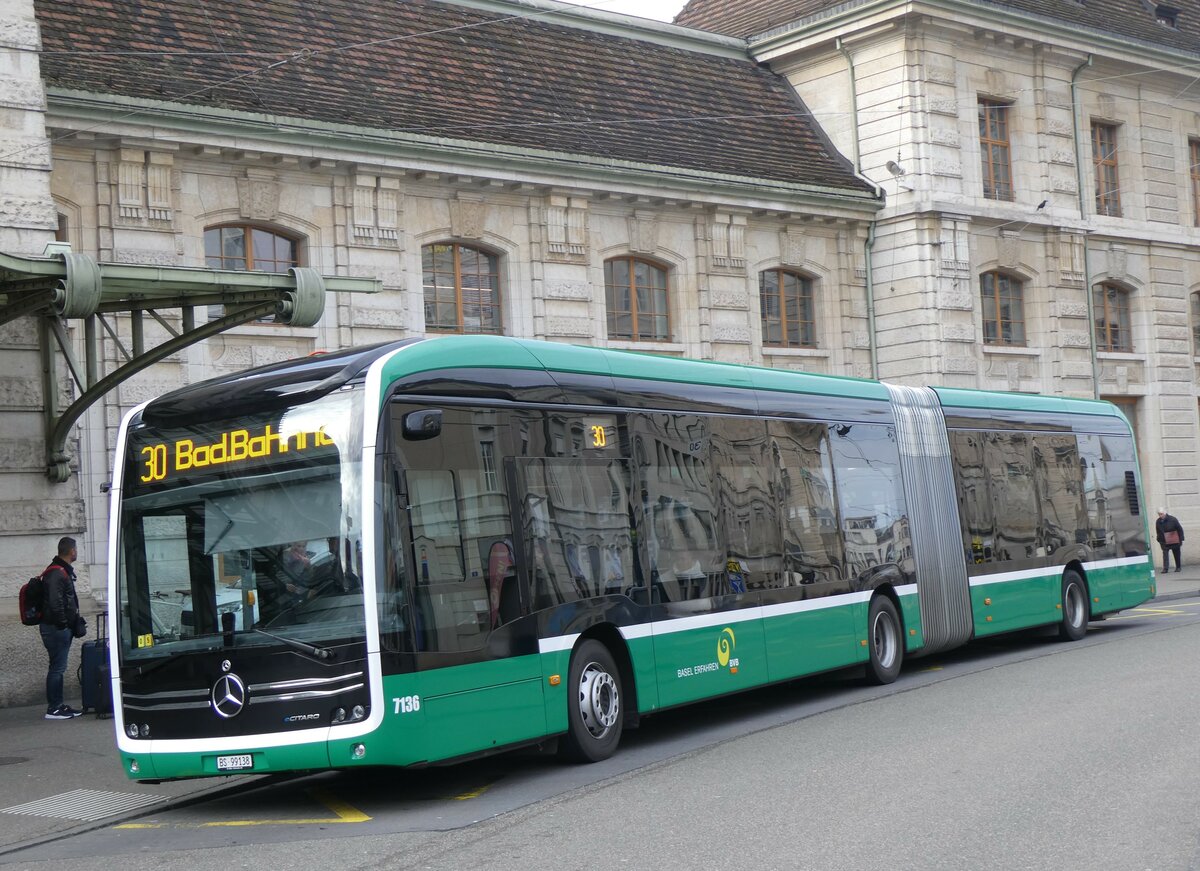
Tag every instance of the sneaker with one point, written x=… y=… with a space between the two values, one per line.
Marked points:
x=63 y=712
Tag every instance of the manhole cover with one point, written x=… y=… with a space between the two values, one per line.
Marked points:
x=84 y=804
x=13 y=760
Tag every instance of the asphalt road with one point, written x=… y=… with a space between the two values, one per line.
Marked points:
x=1021 y=752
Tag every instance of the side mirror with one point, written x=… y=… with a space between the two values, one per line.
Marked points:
x=425 y=424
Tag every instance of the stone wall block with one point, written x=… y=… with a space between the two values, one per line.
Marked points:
x=42 y=515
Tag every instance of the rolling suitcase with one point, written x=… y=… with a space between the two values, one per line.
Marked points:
x=94 y=672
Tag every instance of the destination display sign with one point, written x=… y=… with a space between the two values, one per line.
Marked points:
x=161 y=460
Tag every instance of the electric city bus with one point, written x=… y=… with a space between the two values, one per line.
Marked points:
x=433 y=549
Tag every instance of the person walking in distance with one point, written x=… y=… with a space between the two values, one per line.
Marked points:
x=1169 y=532
x=61 y=621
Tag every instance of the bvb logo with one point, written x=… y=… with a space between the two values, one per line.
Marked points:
x=725 y=646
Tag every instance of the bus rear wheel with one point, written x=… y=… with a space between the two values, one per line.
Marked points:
x=885 y=642
x=594 y=715
x=1074 y=607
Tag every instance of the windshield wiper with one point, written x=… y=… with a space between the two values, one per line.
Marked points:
x=321 y=653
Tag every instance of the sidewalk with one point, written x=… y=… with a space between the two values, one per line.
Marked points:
x=1176 y=585
x=71 y=768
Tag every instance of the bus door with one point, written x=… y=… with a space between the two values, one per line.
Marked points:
x=809 y=627
x=479 y=676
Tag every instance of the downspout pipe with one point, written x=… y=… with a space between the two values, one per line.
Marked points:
x=870 y=245
x=1079 y=179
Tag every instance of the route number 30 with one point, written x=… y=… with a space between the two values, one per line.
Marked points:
x=406 y=704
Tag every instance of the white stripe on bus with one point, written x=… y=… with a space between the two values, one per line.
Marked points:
x=1054 y=571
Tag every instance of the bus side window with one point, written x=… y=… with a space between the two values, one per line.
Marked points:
x=866 y=467
x=974 y=503
x=812 y=542
x=459 y=527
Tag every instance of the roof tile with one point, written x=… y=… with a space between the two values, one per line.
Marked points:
x=441 y=70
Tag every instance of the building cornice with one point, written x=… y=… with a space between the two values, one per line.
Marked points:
x=846 y=19
x=162 y=121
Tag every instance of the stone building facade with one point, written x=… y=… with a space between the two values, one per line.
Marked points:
x=703 y=208
x=1040 y=165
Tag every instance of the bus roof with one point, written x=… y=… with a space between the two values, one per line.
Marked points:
x=318 y=374
x=954 y=397
x=502 y=352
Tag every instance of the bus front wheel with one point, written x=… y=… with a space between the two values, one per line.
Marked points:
x=1074 y=607
x=885 y=640
x=594 y=715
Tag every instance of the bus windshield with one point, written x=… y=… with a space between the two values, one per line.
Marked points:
x=243 y=532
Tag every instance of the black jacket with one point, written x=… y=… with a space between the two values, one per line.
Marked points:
x=1167 y=523
x=60 y=604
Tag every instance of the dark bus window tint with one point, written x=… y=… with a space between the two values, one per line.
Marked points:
x=1008 y=459
x=575 y=528
x=1098 y=535
x=974 y=504
x=875 y=528
x=676 y=506
x=1058 y=482
x=747 y=510
x=459 y=528
x=812 y=547
x=1124 y=508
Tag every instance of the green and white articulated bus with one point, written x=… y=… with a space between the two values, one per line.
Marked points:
x=428 y=550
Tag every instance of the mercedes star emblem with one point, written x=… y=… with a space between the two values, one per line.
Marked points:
x=228 y=696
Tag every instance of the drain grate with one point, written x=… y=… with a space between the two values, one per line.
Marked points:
x=84 y=804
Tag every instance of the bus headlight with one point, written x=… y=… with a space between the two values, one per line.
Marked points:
x=339 y=715
x=358 y=751
x=359 y=712
x=131 y=730
x=145 y=730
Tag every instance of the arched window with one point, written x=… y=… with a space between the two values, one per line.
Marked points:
x=789 y=317
x=244 y=246
x=462 y=289
x=250 y=248
x=1110 y=306
x=638 y=309
x=1003 y=301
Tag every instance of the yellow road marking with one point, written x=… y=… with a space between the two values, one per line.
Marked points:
x=1153 y=612
x=343 y=813
x=473 y=793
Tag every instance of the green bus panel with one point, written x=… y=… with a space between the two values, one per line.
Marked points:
x=809 y=641
x=709 y=660
x=469 y=708
x=556 y=663
x=1114 y=588
x=645 y=674
x=1006 y=605
x=910 y=616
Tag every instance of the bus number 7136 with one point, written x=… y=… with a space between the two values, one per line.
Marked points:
x=406 y=704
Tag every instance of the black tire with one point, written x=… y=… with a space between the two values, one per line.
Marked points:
x=885 y=642
x=1075 y=608
x=594 y=705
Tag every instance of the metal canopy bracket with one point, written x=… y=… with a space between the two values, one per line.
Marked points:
x=69 y=286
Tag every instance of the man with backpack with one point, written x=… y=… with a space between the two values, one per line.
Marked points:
x=61 y=621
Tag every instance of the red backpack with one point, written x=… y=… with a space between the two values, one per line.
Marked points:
x=32 y=597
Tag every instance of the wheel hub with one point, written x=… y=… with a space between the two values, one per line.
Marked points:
x=884 y=639
x=599 y=704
